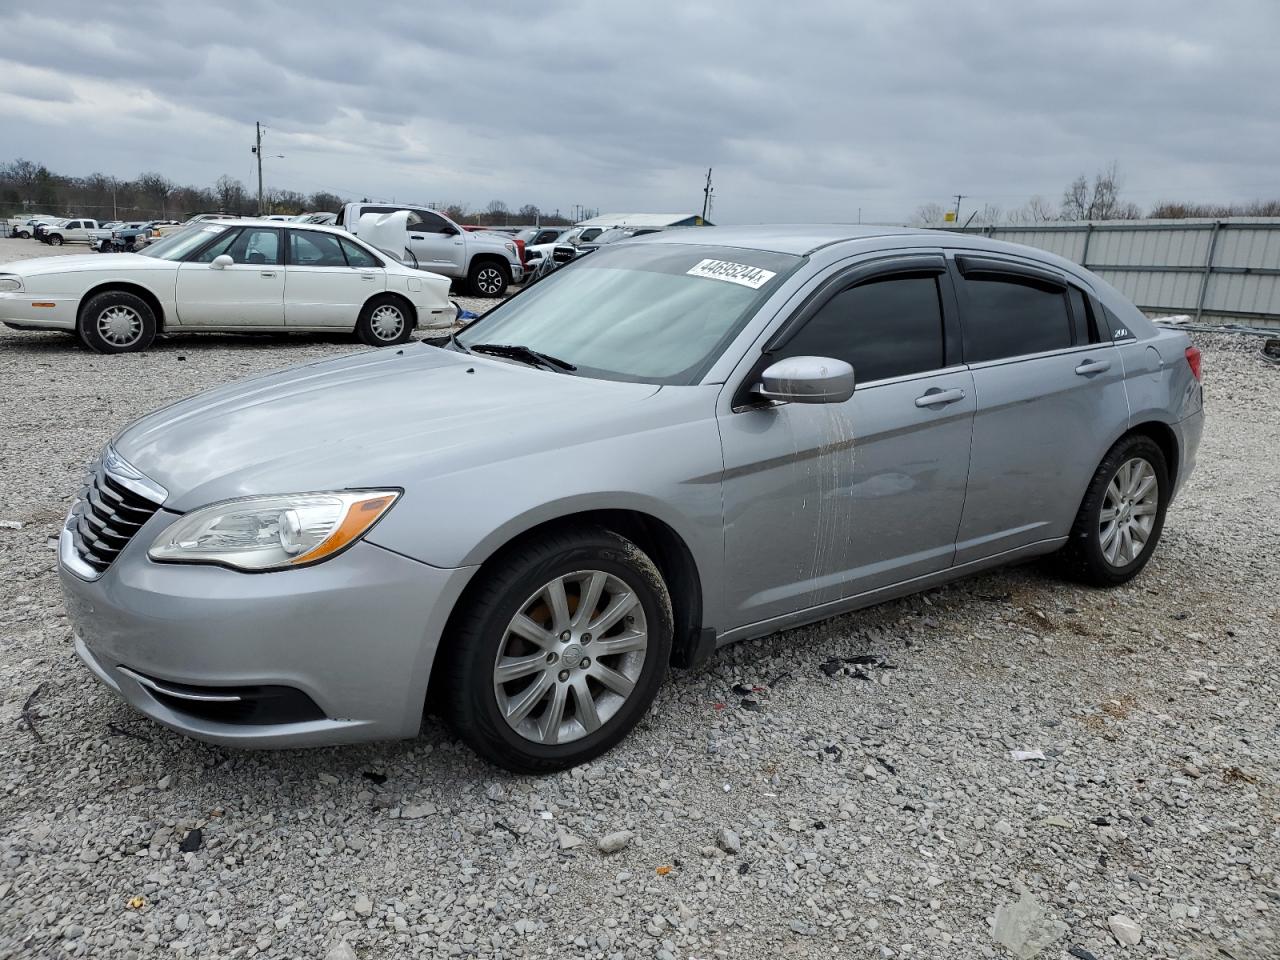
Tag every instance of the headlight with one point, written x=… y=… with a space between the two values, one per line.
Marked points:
x=511 y=248
x=10 y=283
x=273 y=533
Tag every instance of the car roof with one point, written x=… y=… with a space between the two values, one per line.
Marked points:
x=286 y=224
x=796 y=239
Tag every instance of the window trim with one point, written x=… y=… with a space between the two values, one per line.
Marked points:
x=931 y=263
x=983 y=267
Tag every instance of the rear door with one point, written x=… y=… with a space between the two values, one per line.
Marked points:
x=438 y=246
x=248 y=292
x=824 y=502
x=1050 y=399
x=323 y=286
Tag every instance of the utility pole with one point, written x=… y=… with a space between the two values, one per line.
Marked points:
x=707 y=191
x=959 y=197
x=258 y=150
x=113 y=199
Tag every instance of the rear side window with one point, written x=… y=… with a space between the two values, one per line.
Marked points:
x=308 y=249
x=356 y=256
x=883 y=328
x=1011 y=317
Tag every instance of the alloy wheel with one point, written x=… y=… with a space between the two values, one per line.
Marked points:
x=387 y=322
x=119 y=325
x=570 y=657
x=489 y=280
x=1129 y=509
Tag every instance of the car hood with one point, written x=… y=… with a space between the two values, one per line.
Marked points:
x=84 y=261
x=385 y=418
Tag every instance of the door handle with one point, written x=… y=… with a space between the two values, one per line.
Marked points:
x=937 y=398
x=268 y=273
x=1093 y=366
x=366 y=276
x=416 y=236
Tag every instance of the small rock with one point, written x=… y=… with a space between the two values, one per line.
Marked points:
x=165 y=782
x=1124 y=930
x=728 y=841
x=73 y=931
x=11 y=524
x=340 y=951
x=1056 y=821
x=1080 y=953
x=182 y=921
x=568 y=841
x=613 y=842
x=1027 y=754
x=417 y=811
x=363 y=906
x=328 y=778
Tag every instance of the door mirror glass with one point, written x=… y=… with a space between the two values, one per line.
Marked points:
x=220 y=262
x=806 y=380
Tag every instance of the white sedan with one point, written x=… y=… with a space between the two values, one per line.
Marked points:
x=228 y=275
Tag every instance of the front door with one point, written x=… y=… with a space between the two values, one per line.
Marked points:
x=436 y=243
x=824 y=502
x=247 y=292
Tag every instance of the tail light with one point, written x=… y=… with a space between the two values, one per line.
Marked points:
x=1193 y=361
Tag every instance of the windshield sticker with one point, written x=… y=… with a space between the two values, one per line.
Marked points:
x=740 y=273
x=213 y=229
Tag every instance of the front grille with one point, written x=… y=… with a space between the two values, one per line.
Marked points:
x=106 y=517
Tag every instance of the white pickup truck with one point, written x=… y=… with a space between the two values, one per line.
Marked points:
x=73 y=231
x=488 y=262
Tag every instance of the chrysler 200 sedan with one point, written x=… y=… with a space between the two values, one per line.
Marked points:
x=669 y=445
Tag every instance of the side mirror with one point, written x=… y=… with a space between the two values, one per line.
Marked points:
x=220 y=262
x=806 y=380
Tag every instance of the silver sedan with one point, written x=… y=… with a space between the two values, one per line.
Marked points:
x=672 y=444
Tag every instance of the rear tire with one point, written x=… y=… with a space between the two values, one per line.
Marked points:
x=1121 y=516
x=572 y=715
x=385 y=321
x=25 y=235
x=55 y=241
x=488 y=278
x=116 y=322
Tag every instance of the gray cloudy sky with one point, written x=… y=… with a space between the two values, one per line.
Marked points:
x=807 y=110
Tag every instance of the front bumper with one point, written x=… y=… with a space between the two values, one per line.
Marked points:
x=19 y=308
x=357 y=635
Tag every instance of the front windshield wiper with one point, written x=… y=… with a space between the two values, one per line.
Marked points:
x=518 y=351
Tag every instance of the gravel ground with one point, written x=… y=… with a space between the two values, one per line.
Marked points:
x=876 y=811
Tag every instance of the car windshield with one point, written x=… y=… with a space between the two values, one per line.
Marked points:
x=178 y=245
x=612 y=234
x=650 y=313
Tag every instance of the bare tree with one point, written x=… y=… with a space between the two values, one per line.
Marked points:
x=229 y=193
x=25 y=176
x=326 y=202
x=456 y=212
x=529 y=213
x=929 y=214
x=156 y=187
x=1099 y=200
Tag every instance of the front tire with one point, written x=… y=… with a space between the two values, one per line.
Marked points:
x=488 y=278
x=25 y=235
x=116 y=322
x=384 y=322
x=560 y=652
x=1121 y=516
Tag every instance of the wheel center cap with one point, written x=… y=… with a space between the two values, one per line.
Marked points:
x=571 y=654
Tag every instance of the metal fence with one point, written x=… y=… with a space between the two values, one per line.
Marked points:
x=1227 y=270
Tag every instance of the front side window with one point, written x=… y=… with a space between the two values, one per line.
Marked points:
x=1010 y=316
x=652 y=313
x=259 y=246
x=883 y=328
x=307 y=249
